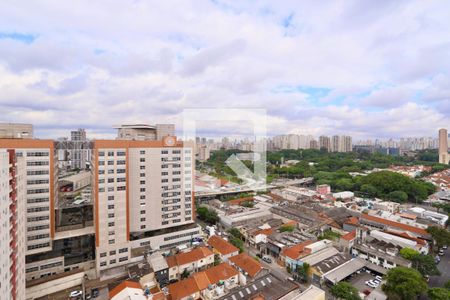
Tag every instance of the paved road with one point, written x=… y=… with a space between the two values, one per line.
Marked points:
x=444 y=268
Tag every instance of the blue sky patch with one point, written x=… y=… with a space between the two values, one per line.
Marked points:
x=21 y=37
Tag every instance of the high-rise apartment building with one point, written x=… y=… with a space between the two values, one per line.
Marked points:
x=143 y=194
x=144 y=132
x=16 y=131
x=40 y=173
x=325 y=143
x=79 y=150
x=12 y=225
x=443 y=146
x=335 y=143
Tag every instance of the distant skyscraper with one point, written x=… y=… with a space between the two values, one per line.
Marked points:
x=325 y=142
x=79 y=153
x=443 y=146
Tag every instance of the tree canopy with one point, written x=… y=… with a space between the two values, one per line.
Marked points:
x=438 y=294
x=404 y=283
x=344 y=290
x=440 y=235
x=208 y=215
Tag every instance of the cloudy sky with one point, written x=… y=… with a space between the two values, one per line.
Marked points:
x=364 y=68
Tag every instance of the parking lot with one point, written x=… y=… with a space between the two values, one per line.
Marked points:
x=358 y=281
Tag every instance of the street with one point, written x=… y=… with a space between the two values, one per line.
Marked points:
x=444 y=268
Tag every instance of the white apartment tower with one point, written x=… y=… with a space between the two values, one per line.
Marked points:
x=143 y=197
x=40 y=173
x=443 y=146
x=12 y=225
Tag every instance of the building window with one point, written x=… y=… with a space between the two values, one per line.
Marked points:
x=110 y=153
x=121 y=153
x=112 y=261
x=110 y=224
x=110 y=180
x=142 y=152
x=103 y=263
x=110 y=206
x=110 y=163
x=142 y=167
x=142 y=212
x=123 y=250
x=103 y=254
x=111 y=242
x=112 y=215
x=123 y=259
x=113 y=252
x=142 y=159
x=111 y=198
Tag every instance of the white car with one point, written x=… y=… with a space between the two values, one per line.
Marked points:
x=75 y=294
x=441 y=252
x=379 y=278
x=371 y=284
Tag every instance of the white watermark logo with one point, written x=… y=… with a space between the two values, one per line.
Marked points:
x=255 y=179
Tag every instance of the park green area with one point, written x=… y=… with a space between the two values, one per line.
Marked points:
x=335 y=169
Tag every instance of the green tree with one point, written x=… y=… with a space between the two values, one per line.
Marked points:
x=238 y=243
x=185 y=274
x=440 y=235
x=447 y=285
x=217 y=259
x=303 y=271
x=369 y=190
x=438 y=294
x=208 y=215
x=398 y=196
x=344 y=290
x=287 y=228
x=404 y=284
x=235 y=233
x=425 y=264
x=408 y=253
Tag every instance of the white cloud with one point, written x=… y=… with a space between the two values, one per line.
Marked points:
x=95 y=64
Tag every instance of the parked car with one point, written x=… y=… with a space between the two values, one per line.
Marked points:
x=75 y=293
x=267 y=259
x=441 y=252
x=444 y=247
x=379 y=278
x=371 y=284
x=95 y=293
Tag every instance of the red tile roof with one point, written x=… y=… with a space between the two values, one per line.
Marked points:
x=189 y=257
x=200 y=281
x=267 y=231
x=220 y=272
x=125 y=284
x=296 y=251
x=394 y=224
x=349 y=236
x=352 y=221
x=247 y=263
x=183 y=288
x=222 y=246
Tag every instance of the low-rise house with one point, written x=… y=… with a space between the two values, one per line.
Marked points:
x=209 y=284
x=131 y=290
x=193 y=261
x=324 y=261
x=392 y=207
x=223 y=248
x=311 y=293
x=290 y=256
x=350 y=224
x=375 y=222
x=258 y=236
x=247 y=265
x=378 y=250
x=160 y=267
x=346 y=241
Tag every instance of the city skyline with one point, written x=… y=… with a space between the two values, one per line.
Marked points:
x=137 y=69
